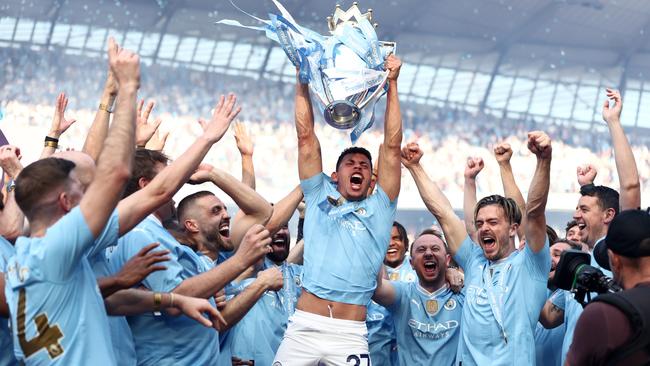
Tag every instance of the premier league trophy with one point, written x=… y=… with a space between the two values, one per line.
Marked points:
x=344 y=70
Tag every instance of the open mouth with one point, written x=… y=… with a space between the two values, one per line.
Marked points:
x=582 y=226
x=488 y=242
x=355 y=180
x=430 y=267
x=224 y=230
x=391 y=251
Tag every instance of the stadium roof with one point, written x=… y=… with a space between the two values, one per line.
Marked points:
x=546 y=58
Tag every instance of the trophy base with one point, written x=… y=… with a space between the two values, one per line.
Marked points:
x=342 y=114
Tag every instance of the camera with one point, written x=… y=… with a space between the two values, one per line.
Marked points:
x=573 y=273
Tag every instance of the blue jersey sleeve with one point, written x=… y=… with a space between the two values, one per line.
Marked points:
x=558 y=298
x=160 y=281
x=313 y=188
x=107 y=237
x=466 y=253
x=538 y=264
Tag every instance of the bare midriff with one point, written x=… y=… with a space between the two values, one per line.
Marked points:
x=313 y=304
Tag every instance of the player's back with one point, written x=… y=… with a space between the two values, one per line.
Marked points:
x=56 y=322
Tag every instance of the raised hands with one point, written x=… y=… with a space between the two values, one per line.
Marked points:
x=503 y=153
x=612 y=114
x=144 y=129
x=586 y=174
x=60 y=124
x=255 y=245
x=201 y=174
x=157 y=141
x=195 y=308
x=392 y=65
x=243 y=139
x=539 y=143
x=124 y=64
x=10 y=160
x=272 y=279
x=411 y=155
x=142 y=265
x=224 y=112
x=473 y=167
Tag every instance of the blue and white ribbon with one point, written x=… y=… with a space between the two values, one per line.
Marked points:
x=345 y=66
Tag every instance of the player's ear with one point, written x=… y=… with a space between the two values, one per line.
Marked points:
x=335 y=177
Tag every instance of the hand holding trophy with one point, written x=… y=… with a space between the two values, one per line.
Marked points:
x=345 y=71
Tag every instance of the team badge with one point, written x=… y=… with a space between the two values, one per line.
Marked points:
x=450 y=305
x=298 y=281
x=410 y=277
x=393 y=276
x=432 y=307
x=361 y=211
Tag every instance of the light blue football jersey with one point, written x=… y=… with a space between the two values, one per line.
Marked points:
x=121 y=337
x=50 y=280
x=345 y=242
x=7 y=357
x=162 y=339
x=572 y=310
x=427 y=324
x=403 y=273
x=259 y=333
x=224 y=256
x=502 y=305
x=382 y=344
x=548 y=342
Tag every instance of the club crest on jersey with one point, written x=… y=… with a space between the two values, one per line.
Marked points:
x=450 y=305
x=432 y=307
x=297 y=281
x=361 y=211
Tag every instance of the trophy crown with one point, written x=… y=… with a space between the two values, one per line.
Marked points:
x=351 y=16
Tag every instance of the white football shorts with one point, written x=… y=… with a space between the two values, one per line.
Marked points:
x=313 y=339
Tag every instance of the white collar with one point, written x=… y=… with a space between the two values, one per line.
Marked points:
x=435 y=293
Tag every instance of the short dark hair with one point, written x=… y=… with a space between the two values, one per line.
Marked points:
x=186 y=202
x=354 y=150
x=552 y=235
x=573 y=244
x=431 y=231
x=144 y=164
x=39 y=179
x=402 y=233
x=606 y=197
x=569 y=225
x=513 y=214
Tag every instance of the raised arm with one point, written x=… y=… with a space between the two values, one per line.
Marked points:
x=253 y=208
x=384 y=292
x=503 y=154
x=12 y=218
x=389 y=158
x=255 y=245
x=628 y=175
x=473 y=167
x=99 y=128
x=144 y=129
x=162 y=188
x=436 y=202
x=245 y=147
x=235 y=309
x=283 y=210
x=309 y=155
x=539 y=144
x=60 y=124
x=551 y=315
x=115 y=160
x=586 y=174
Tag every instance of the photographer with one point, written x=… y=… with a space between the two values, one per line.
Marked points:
x=615 y=328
